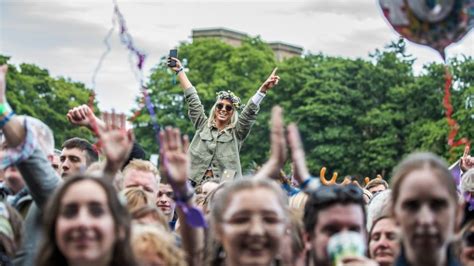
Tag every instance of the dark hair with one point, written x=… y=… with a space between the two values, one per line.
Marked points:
x=49 y=253
x=83 y=145
x=422 y=160
x=325 y=197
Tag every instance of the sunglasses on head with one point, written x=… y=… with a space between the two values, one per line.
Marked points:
x=326 y=194
x=228 y=107
x=468 y=238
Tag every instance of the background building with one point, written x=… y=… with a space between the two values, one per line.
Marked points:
x=282 y=50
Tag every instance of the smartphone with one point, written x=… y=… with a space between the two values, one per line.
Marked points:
x=173 y=53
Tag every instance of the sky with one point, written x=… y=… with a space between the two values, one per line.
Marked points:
x=66 y=36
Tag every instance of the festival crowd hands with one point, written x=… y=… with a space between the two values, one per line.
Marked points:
x=466 y=161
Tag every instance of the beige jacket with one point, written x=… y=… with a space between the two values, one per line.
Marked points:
x=217 y=150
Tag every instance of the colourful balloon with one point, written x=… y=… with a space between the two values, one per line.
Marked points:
x=435 y=23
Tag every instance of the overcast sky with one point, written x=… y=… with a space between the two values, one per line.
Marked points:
x=65 y=36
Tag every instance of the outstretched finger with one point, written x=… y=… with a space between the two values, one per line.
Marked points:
x=466 y=151
x=185 y=143
x=273 y=72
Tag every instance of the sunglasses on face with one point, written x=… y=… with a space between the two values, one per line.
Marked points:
x=228 y=107
x=468 y=238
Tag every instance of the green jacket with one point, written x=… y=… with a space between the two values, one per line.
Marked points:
x=209 y=148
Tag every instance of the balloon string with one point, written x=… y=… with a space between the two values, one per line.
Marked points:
x=453 y=125
x=127 y=40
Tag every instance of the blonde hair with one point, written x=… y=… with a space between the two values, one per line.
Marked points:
x=136 y=198
x=149 y=239
x=142 y=165
x=467 y=181
x=298 y=201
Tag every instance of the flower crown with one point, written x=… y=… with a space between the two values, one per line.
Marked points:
x=228 y=95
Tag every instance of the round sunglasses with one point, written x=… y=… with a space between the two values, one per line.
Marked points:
x=228 y=107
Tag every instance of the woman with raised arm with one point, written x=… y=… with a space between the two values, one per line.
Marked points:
x=216 y=144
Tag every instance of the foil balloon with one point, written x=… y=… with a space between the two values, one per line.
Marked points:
x=435 y=23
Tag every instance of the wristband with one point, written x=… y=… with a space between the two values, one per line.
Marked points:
x=5 y=108
x=184 y=197
x=179 y=70
x=6 y=119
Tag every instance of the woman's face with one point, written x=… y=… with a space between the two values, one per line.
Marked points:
x=384 y=242
x=253 y=225
x=426 y=212
x=224 y=111
x=467 y=247
x=85 y=228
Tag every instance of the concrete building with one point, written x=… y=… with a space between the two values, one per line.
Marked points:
x=282 y=50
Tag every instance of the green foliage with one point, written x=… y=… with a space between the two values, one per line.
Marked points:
x=357 y=117
x=32 y=91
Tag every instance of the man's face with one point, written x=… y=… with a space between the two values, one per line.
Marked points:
x=377 y=189
x=165 y=200
x=332 y=220
x=145 y=180
x=55 y=163
x=72 y=161
x=14 y=179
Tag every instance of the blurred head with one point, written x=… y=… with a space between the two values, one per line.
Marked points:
x=154 y=246
x=13 y=179
x=330 y=210
x=56 y=161
x=150 y=215
x=85 y=223
x=467 y=244
x=249 y=219
x=298 y=201
x=209 y=185
x=292 y=246
x=467 y=182
x=376 y=185
x=426 y=206
x=11 y=230
x=136 y=198
x=76 y=155
x=141 y=174
x=384 y=241
x=165 y=201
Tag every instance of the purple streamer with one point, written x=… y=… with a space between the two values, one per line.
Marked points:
x=194 y=216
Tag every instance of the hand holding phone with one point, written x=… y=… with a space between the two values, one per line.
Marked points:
x=173 y=54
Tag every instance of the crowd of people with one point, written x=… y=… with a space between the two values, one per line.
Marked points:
x=105 y=204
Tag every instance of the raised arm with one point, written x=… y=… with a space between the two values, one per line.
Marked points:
x=36 y=170
x=179 y=70
x=196 y=111
x=176 y=167
x=82 y=115
x=249 y=114
x=278 y=150
x=116 y=143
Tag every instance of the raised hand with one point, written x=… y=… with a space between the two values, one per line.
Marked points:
x=116 y=141
x=278 y=150
x=271 y=81
x=3 y=83
x=81 y=115
x=175 y=161
x=466 y=162
x=178 y=63
x=300 y=170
